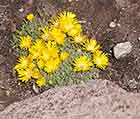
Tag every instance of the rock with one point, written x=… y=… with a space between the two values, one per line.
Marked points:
x=139 y=38
x=122 y=49
x=119 y=25
x=21 y=10
x=103 y=100
x=112 y=24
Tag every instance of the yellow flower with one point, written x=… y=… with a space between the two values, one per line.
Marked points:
x=41 y=81
x=82 y=63
x=25 y=75
x=55 y=22
x=67 y=22
x=57 y=36
x=91 y=45
x=64 y=55
x=31 y=65
x=52 y=65
x=75 y=30
x=30 y=17
x=66 y=26
x=46 y=55
x=25 y=42
x=65 y=15
x=80 y=38
x=24 y=68
x=36 y=74
x=51 y=50
x=37 y=48
x=44 y=33
x=39 y=44
x=40 y=63
x=23 y=62
x=100 y=59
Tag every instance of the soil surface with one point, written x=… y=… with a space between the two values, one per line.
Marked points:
x=95 y=17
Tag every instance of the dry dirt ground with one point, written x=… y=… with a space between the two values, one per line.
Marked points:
x=96 y=16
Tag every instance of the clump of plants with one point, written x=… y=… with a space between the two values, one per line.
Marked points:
x=56 y=53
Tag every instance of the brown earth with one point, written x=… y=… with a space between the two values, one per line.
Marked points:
x=95 y=16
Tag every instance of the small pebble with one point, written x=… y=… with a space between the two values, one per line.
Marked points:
x=21 y=10
x=119 y=25
x=82 y=21
x=112 y=24
x=35 y=89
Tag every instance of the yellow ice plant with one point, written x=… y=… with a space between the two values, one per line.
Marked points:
x=82 y=63
x=100 y=59
x=91 y=45
x=23 y=62
x=51 y=50
x=25 y=74
x=64 y=55
x=36 y=73
x=68 y=23
x=52 y=65
x=45 y=55
x=25 y=42
x=75 y=30
x=41 y=81
x=57 y=35
x=40 y=63
x=24 y=68
x=67 y=15
x=80 y=38
x=55 y=22
x=44 y=33
x=37 y=48
x=30 y=17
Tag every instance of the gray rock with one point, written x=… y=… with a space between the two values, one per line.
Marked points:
x=122 y=49
x=21 y=10
x=112 y=24
x=103 y=101
x=139 y=38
